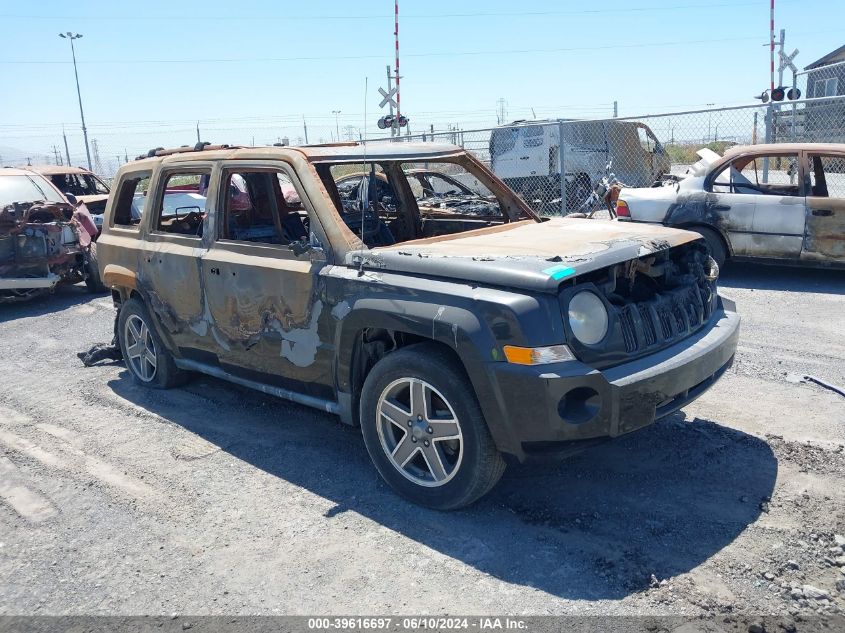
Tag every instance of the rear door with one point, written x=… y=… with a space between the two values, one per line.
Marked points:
x=169 y=270
x=266 y=313
x=824 y=239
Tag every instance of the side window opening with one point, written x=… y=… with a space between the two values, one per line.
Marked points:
x=182 y=208
x=261 y=206
x=760 y=175
x=821 y=184
x=131 y=200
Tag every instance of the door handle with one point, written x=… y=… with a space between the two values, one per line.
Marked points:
x=214 y=271
x=721 y=207
x=823 y=212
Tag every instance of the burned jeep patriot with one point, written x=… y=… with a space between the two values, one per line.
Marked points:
x=454 y=338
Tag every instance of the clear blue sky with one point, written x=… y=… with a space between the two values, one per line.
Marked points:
x=150 y=70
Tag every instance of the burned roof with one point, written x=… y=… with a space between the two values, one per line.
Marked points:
x=50 y=170
x=330 y=153
x=379 y=150
x=785 y=148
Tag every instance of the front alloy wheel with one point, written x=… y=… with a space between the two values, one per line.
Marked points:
x=424 y=429
x=419 y=432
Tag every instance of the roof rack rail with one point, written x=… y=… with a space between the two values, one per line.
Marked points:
x=199 y=147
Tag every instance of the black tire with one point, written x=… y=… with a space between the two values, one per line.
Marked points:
x=165 y=374
x=578 y=192
x=93 y=281
x=718 y=250
x=475 y=468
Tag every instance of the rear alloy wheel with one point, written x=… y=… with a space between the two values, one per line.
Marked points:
x=147 y=359
x=140 y=348
x=424 y=430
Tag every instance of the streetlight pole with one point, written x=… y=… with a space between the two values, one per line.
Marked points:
x=336 y=124
x=75 y=36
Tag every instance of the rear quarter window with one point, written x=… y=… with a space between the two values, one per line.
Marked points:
x=131 y=200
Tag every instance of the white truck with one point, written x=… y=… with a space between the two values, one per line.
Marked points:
x=526 y=155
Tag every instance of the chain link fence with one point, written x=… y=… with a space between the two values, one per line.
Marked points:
x=557 y=177
x=553 y=164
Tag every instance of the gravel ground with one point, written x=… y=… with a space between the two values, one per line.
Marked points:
x=211 y=499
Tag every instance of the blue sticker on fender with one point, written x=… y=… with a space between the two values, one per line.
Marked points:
x=559 y=272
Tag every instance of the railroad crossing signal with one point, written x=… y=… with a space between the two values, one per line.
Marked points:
x=786 y=61
x=388 y=98
x=390 y=120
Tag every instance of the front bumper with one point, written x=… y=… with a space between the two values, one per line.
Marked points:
x=27 y=283
x=536 y=407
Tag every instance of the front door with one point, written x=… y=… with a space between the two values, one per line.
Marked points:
x=762 y=205
x=169 y=270
x=267 y=318
x=825 y=235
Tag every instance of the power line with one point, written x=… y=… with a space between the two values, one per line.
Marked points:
x=223 y=60
x=474 y=14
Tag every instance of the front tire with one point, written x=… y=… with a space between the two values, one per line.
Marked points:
x=147 y=359
x=424 y=429
x=718 y=250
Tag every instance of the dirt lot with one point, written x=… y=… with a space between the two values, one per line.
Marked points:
x=213 y=499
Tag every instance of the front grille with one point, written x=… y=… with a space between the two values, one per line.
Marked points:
x=669 y=316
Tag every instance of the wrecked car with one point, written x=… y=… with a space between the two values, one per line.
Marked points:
x=87 y=187
x=779 y=203
x=451 y=346
x=44 y=238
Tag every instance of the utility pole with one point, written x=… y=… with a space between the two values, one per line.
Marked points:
x=615 y=109
x=97 y=163
x=502 y=113
x=389 y=88
x=336 y=124
x=67 y=151
x=305 y=129
x=398 y=97
x=56 y=156
x=198 y=132
x=125 y=156
x=75 y=36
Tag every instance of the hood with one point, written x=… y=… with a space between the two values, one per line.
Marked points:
x=95 y=202
x=530 y=255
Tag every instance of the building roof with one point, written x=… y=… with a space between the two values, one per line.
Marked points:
x=830 y=58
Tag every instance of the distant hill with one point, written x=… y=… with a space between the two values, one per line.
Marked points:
x=13 y=156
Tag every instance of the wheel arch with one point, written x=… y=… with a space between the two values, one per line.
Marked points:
x=694 y=226
x=379 y=327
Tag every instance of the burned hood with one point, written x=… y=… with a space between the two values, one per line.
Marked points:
x=529 y=255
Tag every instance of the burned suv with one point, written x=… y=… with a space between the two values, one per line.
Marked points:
x=452 y=339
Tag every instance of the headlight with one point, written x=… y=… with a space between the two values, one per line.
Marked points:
x=587 y=317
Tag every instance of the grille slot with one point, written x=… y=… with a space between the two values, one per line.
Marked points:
x=629 y=333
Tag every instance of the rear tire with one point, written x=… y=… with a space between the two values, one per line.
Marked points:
x=149 y=362
x=424 y=429
x=715 y=243
x=93 y=281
